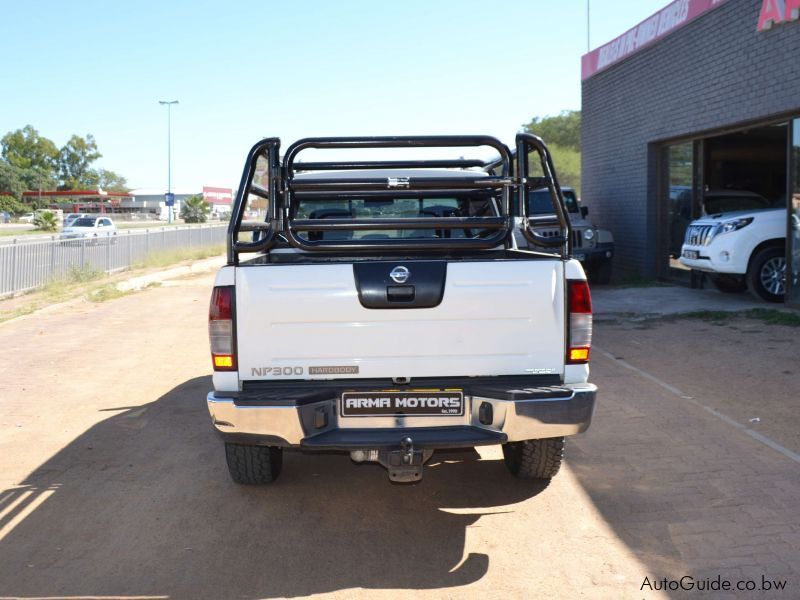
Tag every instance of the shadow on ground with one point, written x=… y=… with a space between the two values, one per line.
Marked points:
x=142 y=504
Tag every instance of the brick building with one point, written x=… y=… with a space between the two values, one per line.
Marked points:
x=702 y=96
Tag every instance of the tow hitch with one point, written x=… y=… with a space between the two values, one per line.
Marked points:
x=404 y=465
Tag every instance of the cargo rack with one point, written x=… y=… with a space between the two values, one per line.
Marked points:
x=505 y=177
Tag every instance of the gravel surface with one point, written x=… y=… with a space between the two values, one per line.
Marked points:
x=112 y=482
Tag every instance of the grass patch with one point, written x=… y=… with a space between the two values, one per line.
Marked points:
x=7 y=315
x=93 y=284
x=165 y=258
x=21 y=232
x=105 y=292
x=774 y=317
x=769 y=316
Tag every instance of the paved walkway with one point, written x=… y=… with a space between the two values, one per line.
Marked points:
x=613 y=302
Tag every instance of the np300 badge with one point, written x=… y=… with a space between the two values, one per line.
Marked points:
x=400 y=274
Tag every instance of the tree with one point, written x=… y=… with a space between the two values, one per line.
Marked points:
x=562 y=130
x=195 y=209
x=45 y=220
x=567 y=162
x=12 y=205
x=11 y=181
x=107 y=180
x=562 y=134
x=74 y=162
x=26 y=149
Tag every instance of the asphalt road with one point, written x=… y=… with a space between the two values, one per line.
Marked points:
x=114 y=484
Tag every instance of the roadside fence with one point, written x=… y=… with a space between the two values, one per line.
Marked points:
x=27 y=263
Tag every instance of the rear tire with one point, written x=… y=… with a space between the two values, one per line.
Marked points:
x=729 y=284
x=766 y=277
x=253 y=465
x=534 y=459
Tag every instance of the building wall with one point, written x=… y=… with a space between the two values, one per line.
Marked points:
x=715 y=72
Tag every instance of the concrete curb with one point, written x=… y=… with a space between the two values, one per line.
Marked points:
x=142 y=281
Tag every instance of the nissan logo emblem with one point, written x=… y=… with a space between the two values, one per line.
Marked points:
x=400 y=274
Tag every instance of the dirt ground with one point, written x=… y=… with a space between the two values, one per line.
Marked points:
x=113 y=484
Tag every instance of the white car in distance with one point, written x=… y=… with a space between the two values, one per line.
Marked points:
x=91 y=228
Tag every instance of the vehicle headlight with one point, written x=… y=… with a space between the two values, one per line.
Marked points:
x=588 y=234
x=733 y=225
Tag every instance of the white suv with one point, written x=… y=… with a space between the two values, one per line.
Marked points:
x=742 y=241
x=91 y=228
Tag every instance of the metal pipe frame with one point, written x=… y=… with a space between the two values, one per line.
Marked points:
x=285 y=189
x=268 y=149
x=391 y=164
x=384 y=187
x=524 y=142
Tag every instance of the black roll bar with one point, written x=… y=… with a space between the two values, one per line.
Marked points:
x=267 y=149
x=389 y=164
x=391 y=187
x=285 y=188
x=524 y=142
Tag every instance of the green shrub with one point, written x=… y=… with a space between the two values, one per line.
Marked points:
x=195 y=210
x=45 y=220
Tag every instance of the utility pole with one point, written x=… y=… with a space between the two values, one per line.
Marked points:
x=588 y=27
x=169 y=199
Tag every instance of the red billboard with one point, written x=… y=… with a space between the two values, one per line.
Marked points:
x=216 y=195
x=668 y=19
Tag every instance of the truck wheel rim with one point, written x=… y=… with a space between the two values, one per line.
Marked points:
x=773 y=276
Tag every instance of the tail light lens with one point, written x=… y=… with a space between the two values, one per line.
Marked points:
x=579 y=331
x=220 y=329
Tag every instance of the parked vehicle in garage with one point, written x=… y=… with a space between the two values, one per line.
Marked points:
x=741 y=243
x=383 y=309
x=592 y=246
x=91 y=228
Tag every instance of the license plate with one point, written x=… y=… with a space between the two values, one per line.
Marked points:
x=411 y=403
x=691 y=254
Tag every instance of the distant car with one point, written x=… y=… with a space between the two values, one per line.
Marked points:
x=72 y=217
x=92 y=228
x=5 y=217
x=26 y=218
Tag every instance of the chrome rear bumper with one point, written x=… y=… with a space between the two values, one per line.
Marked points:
x=312 y=421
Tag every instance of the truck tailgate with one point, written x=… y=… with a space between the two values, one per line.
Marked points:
x=306 y=321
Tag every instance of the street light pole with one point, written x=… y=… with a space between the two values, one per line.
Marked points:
x=169 y=104
x=588 y=27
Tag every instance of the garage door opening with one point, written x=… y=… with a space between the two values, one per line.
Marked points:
x=745 y=170
x=741 y=171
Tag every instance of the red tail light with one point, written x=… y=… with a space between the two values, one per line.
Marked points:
x=579 y=330
x=221 y=329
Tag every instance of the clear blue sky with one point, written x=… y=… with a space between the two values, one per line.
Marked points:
x=246 y=70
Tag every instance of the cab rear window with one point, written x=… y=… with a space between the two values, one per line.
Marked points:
x=477 y=205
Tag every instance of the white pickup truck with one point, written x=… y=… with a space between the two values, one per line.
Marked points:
x=383 y=309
